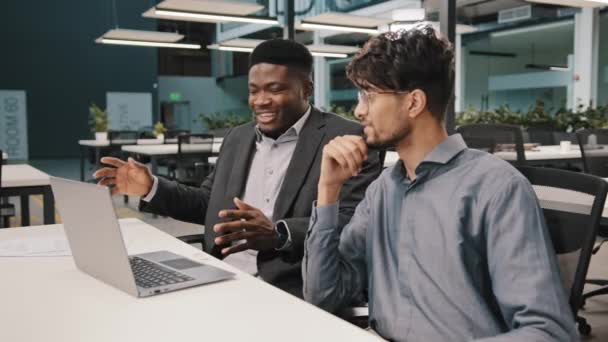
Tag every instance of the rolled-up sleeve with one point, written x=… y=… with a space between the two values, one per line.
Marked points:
x=333 y=268
x=523 y=267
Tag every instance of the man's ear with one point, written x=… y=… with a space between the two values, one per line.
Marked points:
x=309 y=88
x=416 y=103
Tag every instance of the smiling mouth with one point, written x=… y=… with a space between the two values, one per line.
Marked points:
x=265 y=117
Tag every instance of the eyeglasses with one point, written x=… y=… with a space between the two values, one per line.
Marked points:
x=366 y=97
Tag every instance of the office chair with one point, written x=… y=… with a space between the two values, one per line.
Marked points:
x=573 y=232
x=489 y=136
x=594 y=151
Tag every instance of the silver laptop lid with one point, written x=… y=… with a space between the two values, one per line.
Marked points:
x=93 y=232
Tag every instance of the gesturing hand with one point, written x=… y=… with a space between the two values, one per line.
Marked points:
x=127 y=177
x=248 y=224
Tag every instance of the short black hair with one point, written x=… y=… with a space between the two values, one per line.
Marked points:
x=283 y=52
x=406 y=60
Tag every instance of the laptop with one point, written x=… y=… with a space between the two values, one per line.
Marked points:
x=98 y=248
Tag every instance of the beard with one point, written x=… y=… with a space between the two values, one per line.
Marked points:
x=388 y=142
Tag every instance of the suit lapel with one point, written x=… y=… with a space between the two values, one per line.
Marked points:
x=242 y=163
x=310 y=137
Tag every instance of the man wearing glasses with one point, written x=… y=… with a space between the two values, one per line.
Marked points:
x=450 y=243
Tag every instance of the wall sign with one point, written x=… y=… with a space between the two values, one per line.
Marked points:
x=13 y=124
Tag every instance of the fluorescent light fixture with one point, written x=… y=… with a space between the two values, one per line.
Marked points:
x=305 y=25
x=548 y=67
x=333 y=21
x=147 y=44
x=152 y=15
x=216 y=17
x=319 y=50
x=460 y=28
x=328 y=54
x=234 y=48
x=573 y=3
x=559 y=68
x=528 y=29
x=145 y=38
x=332 y=51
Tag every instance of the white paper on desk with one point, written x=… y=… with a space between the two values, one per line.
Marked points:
x=32 y=247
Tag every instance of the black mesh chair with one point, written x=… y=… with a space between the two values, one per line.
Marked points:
x=171 y=162
x=7 y=210
x=594 y=149
x=195 y=166
x=193 y=151
x=559 y=136
x=541 y=135
x=146 y=133
x=495 y=137
x=172 y=134
x=573 y=230
x=548 y=136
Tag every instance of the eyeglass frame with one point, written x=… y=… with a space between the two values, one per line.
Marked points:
x=363 y=96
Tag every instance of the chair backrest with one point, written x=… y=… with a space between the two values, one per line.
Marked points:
x=123 y=137
x=572 y=204
x=594 y=150
x=192 y=149
x=541 y=135
x=494 y=137
x=172 y=134
x=559 y=136
x=146 y=133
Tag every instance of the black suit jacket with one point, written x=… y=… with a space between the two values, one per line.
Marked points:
x=293 y=204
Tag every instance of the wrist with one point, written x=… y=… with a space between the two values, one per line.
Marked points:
x=328 y=193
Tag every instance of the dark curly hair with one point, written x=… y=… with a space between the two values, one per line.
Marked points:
x=407 y=60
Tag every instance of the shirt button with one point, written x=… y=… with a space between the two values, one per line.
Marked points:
x=267 y=200
x=274 y=146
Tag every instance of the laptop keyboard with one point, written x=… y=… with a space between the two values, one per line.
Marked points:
x=148 y=274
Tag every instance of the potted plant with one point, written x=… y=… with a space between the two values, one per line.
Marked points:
x=343 y=112
x=159 y=131
x=219 y=123
x=98 y=119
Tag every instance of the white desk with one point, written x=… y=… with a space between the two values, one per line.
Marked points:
x=549 y=152
x=48 y=299
x=24 y=180
x=166 y=150
x=541 y=153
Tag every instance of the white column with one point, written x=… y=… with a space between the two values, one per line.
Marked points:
x=459 y=84
x=586 y=49
x=321 y=78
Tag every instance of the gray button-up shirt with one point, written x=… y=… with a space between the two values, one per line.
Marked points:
x=458 y=254
x=266 y=175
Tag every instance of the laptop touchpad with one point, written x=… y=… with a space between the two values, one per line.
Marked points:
x=181 y=263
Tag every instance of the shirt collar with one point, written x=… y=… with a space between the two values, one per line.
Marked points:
x=294 y=130
x=442 y=154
